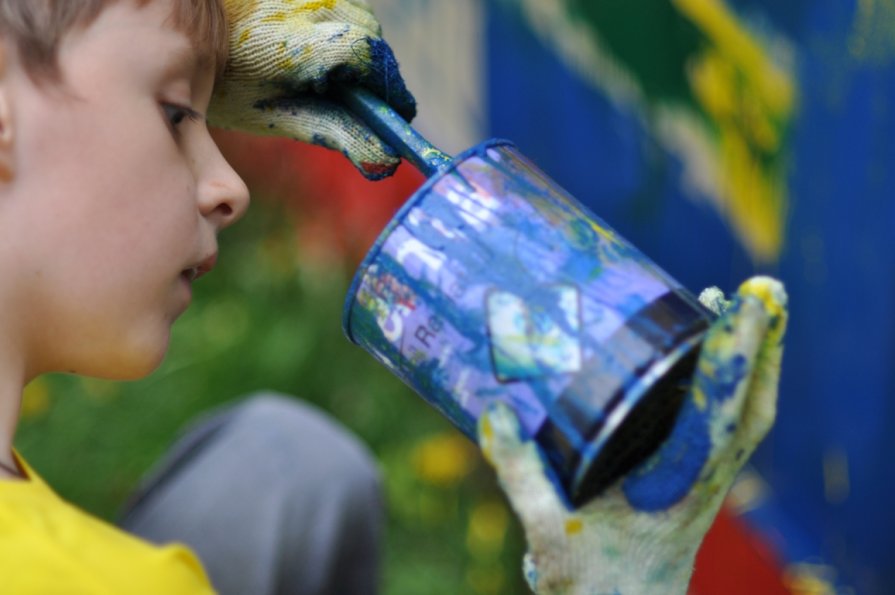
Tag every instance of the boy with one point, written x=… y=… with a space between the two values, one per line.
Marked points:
x=111 y=195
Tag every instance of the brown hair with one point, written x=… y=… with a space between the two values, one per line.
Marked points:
x=36 y=27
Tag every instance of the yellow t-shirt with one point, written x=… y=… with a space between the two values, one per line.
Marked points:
x=49 y=547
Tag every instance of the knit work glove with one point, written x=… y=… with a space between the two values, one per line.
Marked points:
x=641 y=535
x=286 y=55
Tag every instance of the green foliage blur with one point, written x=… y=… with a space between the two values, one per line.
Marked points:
x=264 y=320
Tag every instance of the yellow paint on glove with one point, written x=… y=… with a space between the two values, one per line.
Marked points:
x=285 y=58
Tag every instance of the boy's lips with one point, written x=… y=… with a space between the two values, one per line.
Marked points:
x=200 y=268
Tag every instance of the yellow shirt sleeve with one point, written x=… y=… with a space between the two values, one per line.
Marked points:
x=49 y=547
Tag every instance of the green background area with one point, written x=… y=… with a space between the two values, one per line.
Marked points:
x=650 y=39
x=263 y=322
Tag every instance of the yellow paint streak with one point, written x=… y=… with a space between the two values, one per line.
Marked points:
x=574 y=526
x=602 y=231
x=277 y=17
x=699 y=399
x=287 y=16
x=285 y=60
x=750 y=102
x=755 y=195
x=286 y=63
x=319 y=5
x=720 y=25
x=763 y=289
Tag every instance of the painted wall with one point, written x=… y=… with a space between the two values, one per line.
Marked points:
x=728 y=139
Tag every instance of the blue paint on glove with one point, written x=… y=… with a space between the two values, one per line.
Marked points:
x=380 y=75
x=666 y=477
x=385 y=80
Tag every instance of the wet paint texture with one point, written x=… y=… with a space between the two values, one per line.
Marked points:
x=671 y=473
x=676 y=467
x=394 y=130
x=641 y=535
x=492 y=284
x=383 y=78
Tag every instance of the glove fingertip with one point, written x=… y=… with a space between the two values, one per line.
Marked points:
x=375 y=171
x=499 y=431
x=384 y=78
x=713 y=299
x=769 y=291
x=773 y=298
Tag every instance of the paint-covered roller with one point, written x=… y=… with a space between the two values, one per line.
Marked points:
x=492 y=282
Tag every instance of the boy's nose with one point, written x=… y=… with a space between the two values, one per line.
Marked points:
x=224 y=197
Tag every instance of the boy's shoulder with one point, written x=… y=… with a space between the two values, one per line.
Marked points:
x=50 y=546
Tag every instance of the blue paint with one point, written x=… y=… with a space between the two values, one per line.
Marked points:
x=321 y=141
x=666 y=477
x=394 y=130
x=384 y=79
x=727 y=376
x=531 y=574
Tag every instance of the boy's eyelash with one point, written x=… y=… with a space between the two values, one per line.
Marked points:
x=176 y=114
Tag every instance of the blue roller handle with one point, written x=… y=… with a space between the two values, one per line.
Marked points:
x=395 y=131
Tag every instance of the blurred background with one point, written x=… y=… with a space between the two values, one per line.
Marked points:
x=723 y=138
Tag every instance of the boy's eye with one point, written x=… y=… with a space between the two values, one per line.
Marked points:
x=177 y=113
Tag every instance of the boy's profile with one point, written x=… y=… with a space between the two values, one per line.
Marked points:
x=111 y=198
x=112 y=193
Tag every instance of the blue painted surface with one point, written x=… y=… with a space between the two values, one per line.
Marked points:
x=665 y=478
x=838 y=385
x=569 y=292
x=384 y=79
x=670 y=474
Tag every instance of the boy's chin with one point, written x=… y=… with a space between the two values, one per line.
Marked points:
x=131 y=362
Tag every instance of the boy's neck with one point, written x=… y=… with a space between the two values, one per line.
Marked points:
x=12 y=382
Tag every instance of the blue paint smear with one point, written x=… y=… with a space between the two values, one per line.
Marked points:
x=384 y=79
x=666 y=477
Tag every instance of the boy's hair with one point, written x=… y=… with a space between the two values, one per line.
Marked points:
x=36 y=27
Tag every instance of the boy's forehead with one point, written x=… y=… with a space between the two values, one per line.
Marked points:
x=152 y=25
x=194 y=40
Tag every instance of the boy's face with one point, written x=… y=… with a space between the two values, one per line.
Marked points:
x=117 y=194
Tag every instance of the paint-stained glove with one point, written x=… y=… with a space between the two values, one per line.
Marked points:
x=285 y=55
x=641 y=535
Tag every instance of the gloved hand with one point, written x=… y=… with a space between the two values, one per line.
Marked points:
x=642 y=534
x=285 y=55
